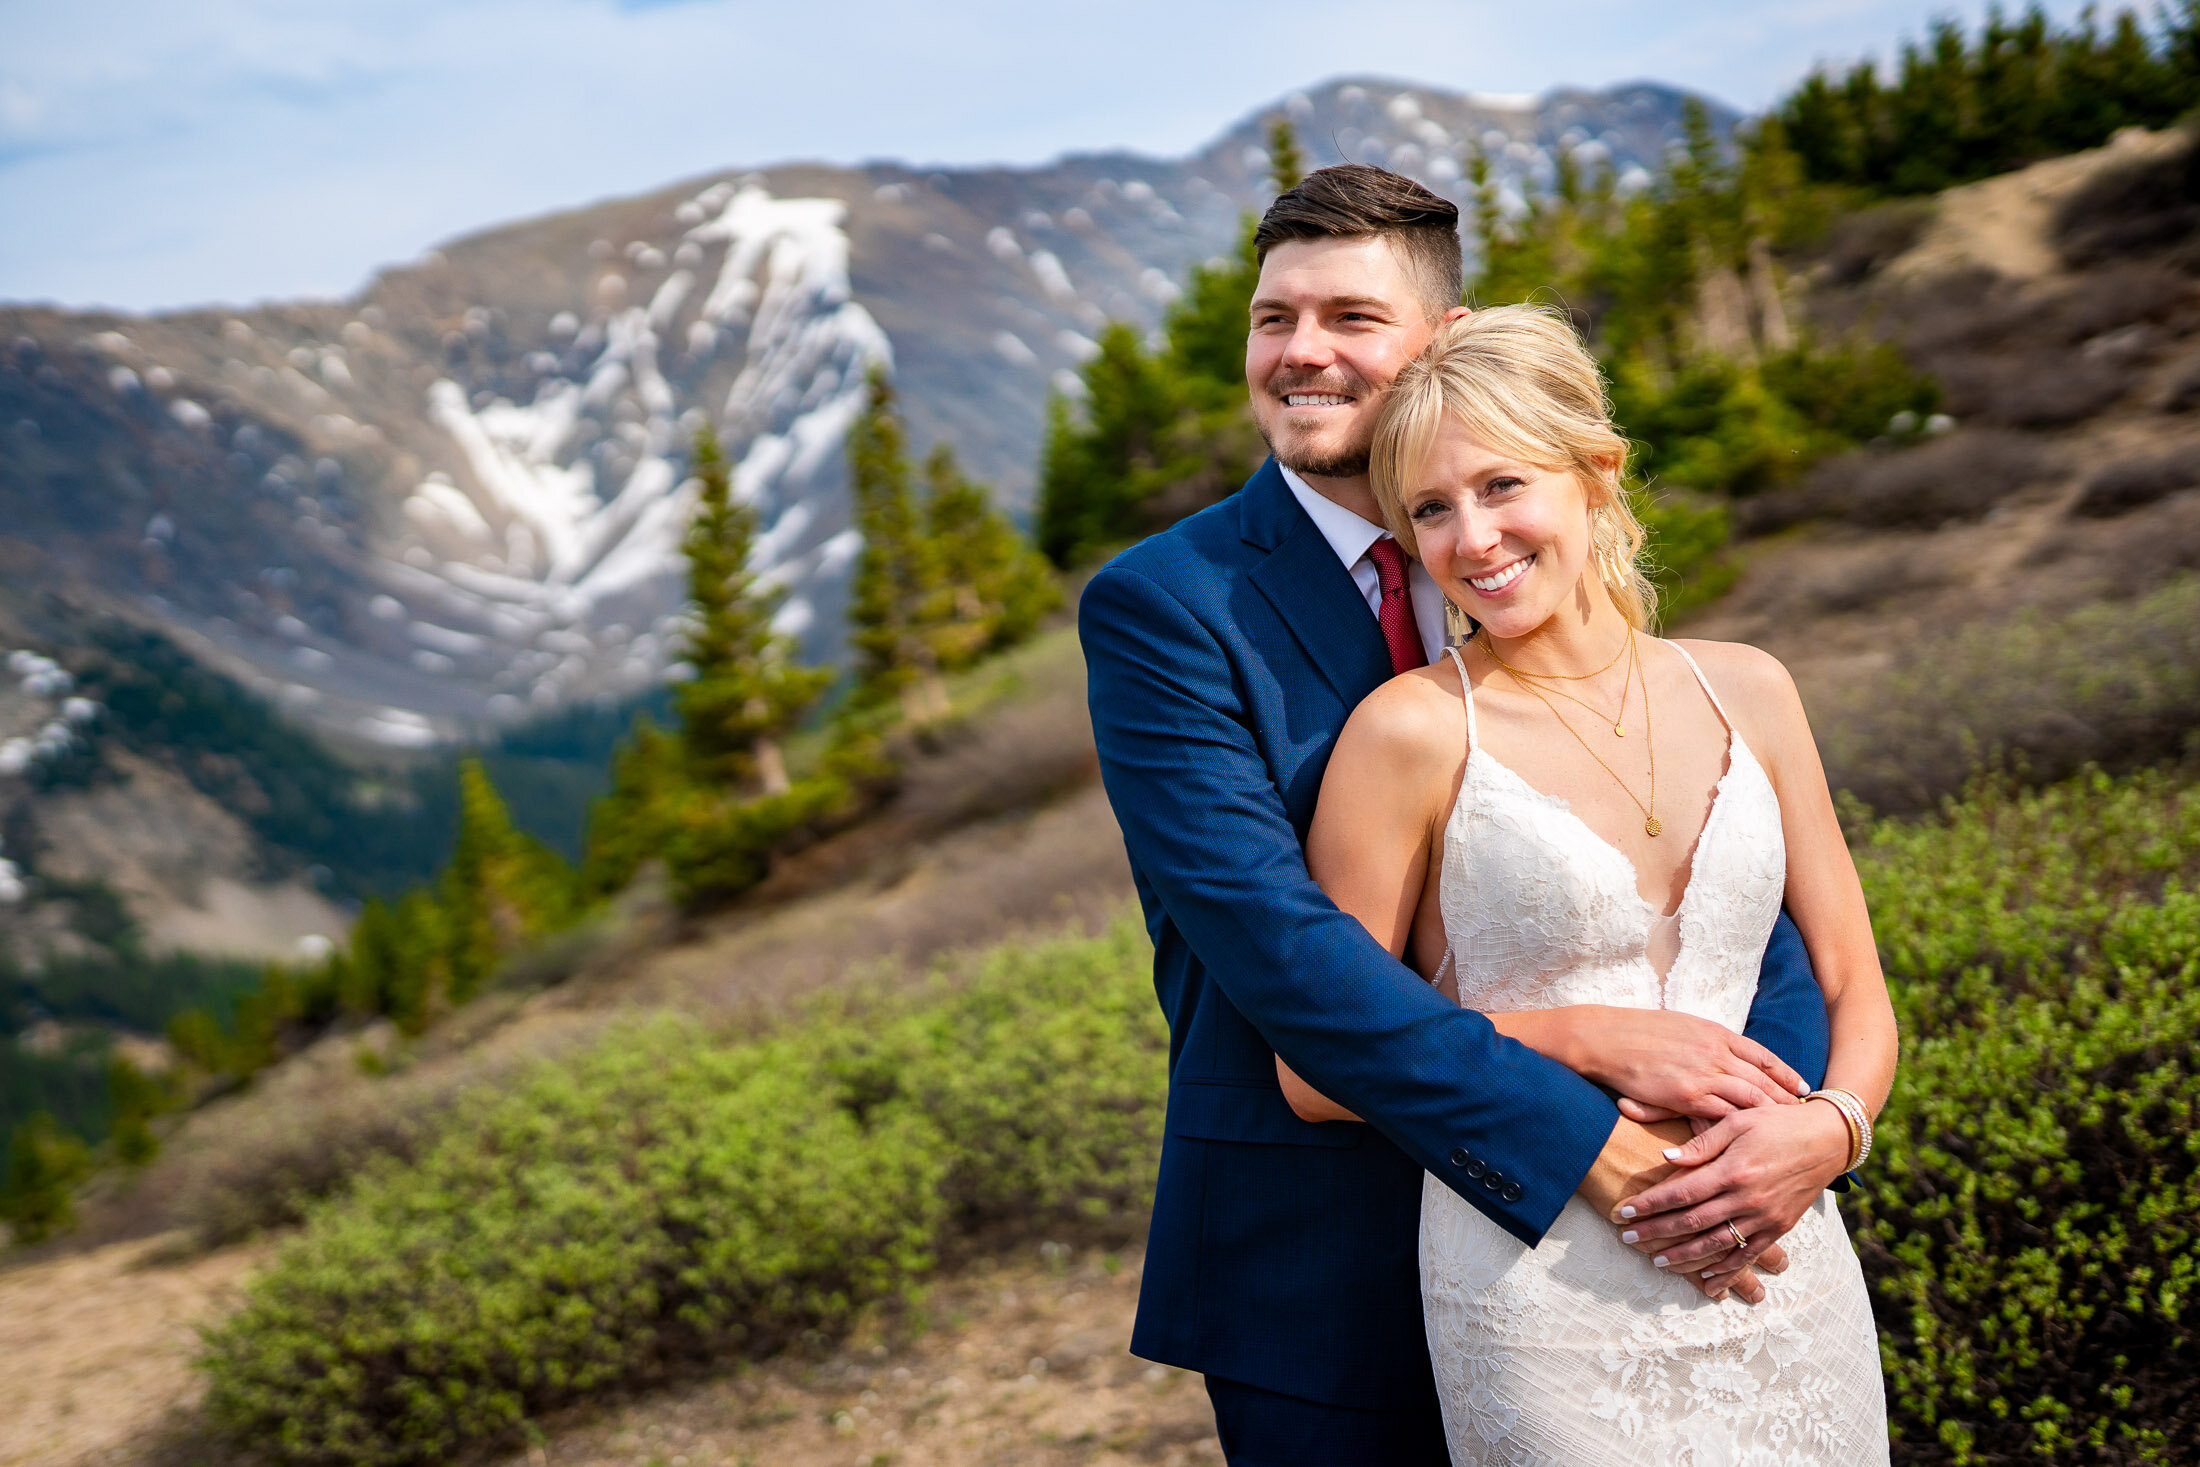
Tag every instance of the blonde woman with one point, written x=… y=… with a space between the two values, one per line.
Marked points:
x=1568 y=823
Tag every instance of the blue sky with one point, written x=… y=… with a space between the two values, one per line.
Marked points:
x=158 y=153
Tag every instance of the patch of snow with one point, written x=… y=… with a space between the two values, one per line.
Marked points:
x=1077 y=344
x=447 y=639
x=1503 y=101
x=1052 y=277
x=1002 y=243
x=395 y=728
x=121 y=380
x=1158 y=286
x=189 y=413
x=1405 y=108
x=1011 y=346
x=160 y=379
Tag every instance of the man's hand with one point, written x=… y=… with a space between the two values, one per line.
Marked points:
x=1632 y=1164
x=1758 y=1170
x=1671 y=1064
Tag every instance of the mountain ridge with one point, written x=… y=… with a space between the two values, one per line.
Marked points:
x=452 y=500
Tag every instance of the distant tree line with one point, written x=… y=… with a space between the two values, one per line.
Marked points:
x=1957 y=109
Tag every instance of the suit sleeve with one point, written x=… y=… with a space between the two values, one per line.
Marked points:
x=1788 y=1016
x=1206 y=827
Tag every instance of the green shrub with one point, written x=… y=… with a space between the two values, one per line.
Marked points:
x=2029 y=1219
x=669 y=1198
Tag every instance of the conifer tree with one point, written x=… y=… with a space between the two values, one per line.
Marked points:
x=501 y=888
x=1286 y=162
x=135 y=1098
x=629 y=826
x=45 y=1163
x=895 y=606
x=370 y=960
x=995 y=585
x=747 y=691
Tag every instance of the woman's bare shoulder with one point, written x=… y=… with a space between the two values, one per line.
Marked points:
x=1739 y=671
x=1415 y=721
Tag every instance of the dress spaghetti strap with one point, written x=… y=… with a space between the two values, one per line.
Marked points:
x=1466 y=691
x=1716 y=705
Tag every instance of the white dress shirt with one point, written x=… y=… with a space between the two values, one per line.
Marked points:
x=1349 y=536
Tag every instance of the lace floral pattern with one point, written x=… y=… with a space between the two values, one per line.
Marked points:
x=1577 y=1351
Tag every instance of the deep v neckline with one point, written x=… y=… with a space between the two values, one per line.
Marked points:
x=1736 y=748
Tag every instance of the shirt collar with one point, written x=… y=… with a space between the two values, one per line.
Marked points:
x=1346 y=532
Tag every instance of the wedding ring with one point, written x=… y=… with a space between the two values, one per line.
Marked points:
x=1739 y=1240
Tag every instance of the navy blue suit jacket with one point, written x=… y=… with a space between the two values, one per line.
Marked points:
x=1224 y=656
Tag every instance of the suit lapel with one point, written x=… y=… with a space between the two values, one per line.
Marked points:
x=1312 y=591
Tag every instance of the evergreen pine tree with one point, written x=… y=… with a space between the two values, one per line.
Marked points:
x=420 y=974
x=45 y=1163
x=895 y=605
x=370 y=961
x=501 y=888
x=1286 y=161
x=628 y=827
x=134 y=1098
x=747 y=691
x=995 y=585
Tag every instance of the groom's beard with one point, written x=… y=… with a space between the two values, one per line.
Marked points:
x=1339 y=463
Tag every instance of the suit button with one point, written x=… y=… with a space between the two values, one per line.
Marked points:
x=1494 y=1181
x=1511 y=1192
x=1476 y=1168
x=1459 y=1156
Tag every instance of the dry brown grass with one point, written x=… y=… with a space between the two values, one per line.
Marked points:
x=95 y=1349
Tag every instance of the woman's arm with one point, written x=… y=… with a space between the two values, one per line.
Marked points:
x=1827 y=903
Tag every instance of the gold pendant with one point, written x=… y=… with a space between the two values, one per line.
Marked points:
x=1650 y=825
x=1618 y=732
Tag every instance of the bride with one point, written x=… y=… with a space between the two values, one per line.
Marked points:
x=1565 y=820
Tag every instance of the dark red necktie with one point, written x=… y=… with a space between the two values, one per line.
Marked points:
x=1399 y=628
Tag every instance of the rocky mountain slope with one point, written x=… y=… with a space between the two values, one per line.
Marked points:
x=455 y=499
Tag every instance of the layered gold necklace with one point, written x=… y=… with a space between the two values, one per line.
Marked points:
x=1529 y=681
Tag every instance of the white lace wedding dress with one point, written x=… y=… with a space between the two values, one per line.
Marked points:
x=1578 y=1353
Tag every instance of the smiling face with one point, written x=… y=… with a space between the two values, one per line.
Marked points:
x=1508 y=541
x=1333 y=323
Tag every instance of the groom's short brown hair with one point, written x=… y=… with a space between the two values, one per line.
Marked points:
x=1354 y=201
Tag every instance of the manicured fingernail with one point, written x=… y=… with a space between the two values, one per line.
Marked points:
x=1659 y=1261
x=1707 y=1273
x=1628 y=1213
x=1630 y=1236
x=1672 y=1153
x=1802 y=1087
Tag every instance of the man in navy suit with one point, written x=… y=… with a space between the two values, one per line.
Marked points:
x=1224 y=656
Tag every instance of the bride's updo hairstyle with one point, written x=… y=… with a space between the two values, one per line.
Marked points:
x=1519 y=379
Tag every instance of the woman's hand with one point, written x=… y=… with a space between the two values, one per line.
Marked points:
x=1668 y=1064
x=1758 y=1170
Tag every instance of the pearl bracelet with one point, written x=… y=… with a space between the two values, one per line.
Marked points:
x=1857 y=1118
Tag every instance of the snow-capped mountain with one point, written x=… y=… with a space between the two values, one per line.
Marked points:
x=457 y=498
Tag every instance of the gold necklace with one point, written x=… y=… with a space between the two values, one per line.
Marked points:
x=1650 y=824
x=1626 y=686
x=1560 y=677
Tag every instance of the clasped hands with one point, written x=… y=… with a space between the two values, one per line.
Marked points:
x=1715 y=1141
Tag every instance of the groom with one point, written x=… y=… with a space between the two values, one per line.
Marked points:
x=1224 y=656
